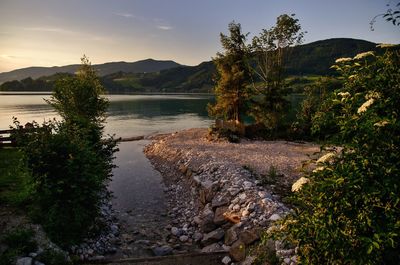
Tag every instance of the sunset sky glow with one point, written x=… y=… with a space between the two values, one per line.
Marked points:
x=58 y=32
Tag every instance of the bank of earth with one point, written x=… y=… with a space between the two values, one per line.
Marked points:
x=222 y=195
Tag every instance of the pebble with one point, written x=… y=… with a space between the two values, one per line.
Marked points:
x=226 y=260
x=274 y=217
x=183 y=238
x=236 y=207
x=175 y=231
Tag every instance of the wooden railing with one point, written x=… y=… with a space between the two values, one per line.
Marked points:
x=6 y=138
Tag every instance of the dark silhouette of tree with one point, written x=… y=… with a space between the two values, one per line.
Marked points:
x=391 y=15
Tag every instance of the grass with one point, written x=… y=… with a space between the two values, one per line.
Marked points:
x=14 y=187
x=19 y=242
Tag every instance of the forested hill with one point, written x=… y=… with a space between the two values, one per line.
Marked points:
x=148 y=65
x=310 y=59
x=314 y=58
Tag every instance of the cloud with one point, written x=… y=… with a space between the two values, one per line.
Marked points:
x=7 y=56
x=162 y=27
x=71 y=33
x=125 y=15
x=46 y=29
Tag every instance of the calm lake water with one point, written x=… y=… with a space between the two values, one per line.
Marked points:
x=128 y=115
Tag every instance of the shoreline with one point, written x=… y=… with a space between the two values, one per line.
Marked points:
x=218 y=193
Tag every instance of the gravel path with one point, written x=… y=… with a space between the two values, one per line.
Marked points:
x=258 y=156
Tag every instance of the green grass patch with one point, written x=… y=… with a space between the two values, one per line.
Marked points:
x=14 y=178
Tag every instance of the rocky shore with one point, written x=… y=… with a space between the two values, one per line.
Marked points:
x=222 y=195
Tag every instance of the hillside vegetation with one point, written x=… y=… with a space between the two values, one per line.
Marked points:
x=306 y=63
x=148 y=65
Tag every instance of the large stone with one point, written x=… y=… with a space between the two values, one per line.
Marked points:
x=219 y=218
x=197 y=236
x=183 y=168
x=230 y=236
x=212 y=248
x=162 y=251
x=208 y=190
x=248 y=237
x=207 y=220
x=219 y=201
x=213 y=236
x=238 y=251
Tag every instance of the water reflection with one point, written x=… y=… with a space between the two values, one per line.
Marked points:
x=128 y=115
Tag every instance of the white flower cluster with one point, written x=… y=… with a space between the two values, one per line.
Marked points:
x=373 y=94
x=325 y=158
x=366 y=105
x=343 y=60
x=344 y=94
x=363 y=55
x=385 y=45
x=318 y=169
x=381 y=123
x=299 y=184
x=371 y=97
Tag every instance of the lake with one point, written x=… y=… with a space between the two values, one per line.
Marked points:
x=128 y=115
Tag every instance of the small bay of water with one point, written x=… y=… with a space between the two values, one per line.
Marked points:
x=137 y=187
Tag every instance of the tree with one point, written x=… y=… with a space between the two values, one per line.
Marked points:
x=271 y=50
x=70 y=160
x=231 y=91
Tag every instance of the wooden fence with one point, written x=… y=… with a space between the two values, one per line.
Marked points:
x=6 y=138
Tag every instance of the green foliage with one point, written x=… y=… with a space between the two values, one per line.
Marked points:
x=70 y=161
x=18 y=242
x=231 y=91
x=315 y=95
x=349 y=212
x=15 y=185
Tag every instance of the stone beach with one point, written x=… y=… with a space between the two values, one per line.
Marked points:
x=215 y=194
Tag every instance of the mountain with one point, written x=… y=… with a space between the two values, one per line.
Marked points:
x=148 y=65
x=306 y=62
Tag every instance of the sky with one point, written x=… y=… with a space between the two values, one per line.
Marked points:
x=59 y=32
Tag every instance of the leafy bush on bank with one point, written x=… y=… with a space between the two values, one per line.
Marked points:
x=349 y=211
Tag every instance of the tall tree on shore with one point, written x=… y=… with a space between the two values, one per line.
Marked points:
x=271 y=49
x=231 y=90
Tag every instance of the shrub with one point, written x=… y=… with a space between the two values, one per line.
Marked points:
x=70 y=161
x=349 y=211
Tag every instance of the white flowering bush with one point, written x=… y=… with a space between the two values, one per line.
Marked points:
x=348 y=211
